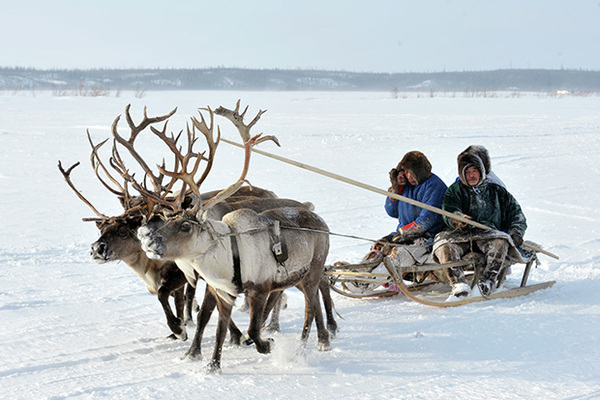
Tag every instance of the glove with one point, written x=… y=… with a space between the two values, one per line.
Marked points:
x=516 y=236
x=408 y=233
x=394 y=180
x=398 y=181
x=456 y=224
x=380 y=244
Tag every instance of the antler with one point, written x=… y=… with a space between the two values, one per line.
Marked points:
x=187 y=177
x=207 y=131
x=98 y=164
x=181 y=170
x=249 y=141
x=185 y=169
x=67 y=175
x=135 y=131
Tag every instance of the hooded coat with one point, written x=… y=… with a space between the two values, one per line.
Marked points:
x=430 y=190
x=487 y=202
x=484 y=155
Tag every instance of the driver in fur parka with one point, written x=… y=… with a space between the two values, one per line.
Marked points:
x=413 y=178
x=475 y=197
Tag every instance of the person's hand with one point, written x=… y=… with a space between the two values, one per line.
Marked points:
x=401 y=178
x=394 y=180
x=456 y=224
x=516 y=236
x=408 y=233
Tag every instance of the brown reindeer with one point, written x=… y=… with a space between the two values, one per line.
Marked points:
x=118 y=242
x=235 y=254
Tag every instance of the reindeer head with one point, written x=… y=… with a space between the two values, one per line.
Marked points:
x=118 y=240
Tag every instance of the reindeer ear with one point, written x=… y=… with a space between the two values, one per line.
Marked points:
x=204 y=215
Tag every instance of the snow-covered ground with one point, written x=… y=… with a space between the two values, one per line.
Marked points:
x=70 y=328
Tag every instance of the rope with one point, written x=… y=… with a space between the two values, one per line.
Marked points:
x=341 y=235
x=380 y=191
x=297 y=228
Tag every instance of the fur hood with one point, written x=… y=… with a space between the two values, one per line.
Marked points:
x=468 y=158
x=418 y=165
x=480 y=152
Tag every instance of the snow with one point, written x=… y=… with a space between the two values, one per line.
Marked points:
x=74 y=329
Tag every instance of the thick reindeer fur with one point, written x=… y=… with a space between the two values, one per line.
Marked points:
x=119 y=242
x=274 y=300
x=204 y=245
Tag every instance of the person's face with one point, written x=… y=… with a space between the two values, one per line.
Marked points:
x=410 y=177
x=472 y=175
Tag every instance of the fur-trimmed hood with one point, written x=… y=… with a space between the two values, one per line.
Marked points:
x=480 y=152
x=418 y=165
x=467 y=159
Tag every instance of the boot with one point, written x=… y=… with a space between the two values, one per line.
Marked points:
x=488 y=281
x=460 y=288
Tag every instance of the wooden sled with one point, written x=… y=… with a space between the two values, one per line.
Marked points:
x=347 y=279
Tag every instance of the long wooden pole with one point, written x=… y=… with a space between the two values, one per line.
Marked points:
x=380 y=191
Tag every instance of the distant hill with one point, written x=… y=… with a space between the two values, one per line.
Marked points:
x=274 y=79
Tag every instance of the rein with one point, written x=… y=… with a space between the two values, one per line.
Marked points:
x=296 y=228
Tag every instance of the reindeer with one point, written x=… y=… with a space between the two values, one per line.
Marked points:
x=164 y=279
x=118 y=240
x=234 y=254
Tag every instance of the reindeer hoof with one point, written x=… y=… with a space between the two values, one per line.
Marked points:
x=264 y=346
x=324 y=346
x=178 y=329
x=213 y=367
x=192 y=354
x=182 y=335
x=273 y=328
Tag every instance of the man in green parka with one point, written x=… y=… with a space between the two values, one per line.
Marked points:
x=473 y=196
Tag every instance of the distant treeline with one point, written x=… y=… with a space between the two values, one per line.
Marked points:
x=536 y=80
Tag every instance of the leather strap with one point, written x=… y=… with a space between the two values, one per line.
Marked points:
x=237 y=274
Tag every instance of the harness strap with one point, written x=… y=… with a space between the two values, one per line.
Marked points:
x=237 y=274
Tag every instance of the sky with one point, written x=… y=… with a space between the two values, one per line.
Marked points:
x=346 y=35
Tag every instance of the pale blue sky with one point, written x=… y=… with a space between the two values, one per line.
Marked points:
x=371 y=36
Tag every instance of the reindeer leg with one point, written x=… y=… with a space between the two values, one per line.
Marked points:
x=190 y=297
x=273 y=307
x=214 y=366
x=313 y=312
x=235 y=335
x=322 y=332
x=175 y=324
x=309 y=311
x=257 y=308
x=179 y=298
x=328 y=304
x=208 y=305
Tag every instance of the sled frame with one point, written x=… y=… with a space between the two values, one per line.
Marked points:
x=339 y=275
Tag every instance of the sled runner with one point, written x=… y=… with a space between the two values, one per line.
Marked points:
x=421 y=279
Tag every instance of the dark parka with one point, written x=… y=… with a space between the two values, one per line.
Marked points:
x=487 y=203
